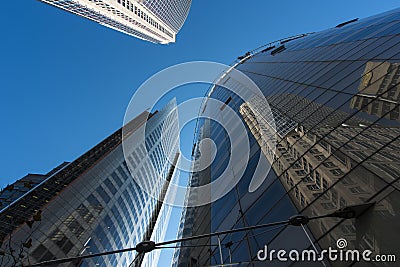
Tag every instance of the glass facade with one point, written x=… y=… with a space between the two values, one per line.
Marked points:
x=332 y=140
x=172 y=12
x=95 y=204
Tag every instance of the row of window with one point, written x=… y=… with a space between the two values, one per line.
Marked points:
x=88 y=13
x=140 y=13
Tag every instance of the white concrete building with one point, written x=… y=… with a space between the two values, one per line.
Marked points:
x=155 y=21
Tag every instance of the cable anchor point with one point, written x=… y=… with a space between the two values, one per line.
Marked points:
x=145 y=246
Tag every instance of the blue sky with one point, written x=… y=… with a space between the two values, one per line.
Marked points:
x=66 y=81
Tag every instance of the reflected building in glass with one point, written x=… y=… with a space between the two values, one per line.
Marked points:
x=102 y=201
x=331 y=136
x=380 y=80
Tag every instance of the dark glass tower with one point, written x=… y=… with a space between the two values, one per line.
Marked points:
x=331 y=135
x=93 y=204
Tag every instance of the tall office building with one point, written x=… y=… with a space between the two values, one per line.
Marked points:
x=330 y=133
x=195 y=219
x=102 y=201
x=157 y=21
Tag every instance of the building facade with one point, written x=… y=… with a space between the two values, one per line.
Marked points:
x=195 y=219
x=330 y=134
x=102 y=201
x=150 y=20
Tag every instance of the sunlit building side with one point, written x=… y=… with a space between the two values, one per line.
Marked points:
x=99 y=202
x=150 y=20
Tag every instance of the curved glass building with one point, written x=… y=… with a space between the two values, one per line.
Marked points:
x=150 y=20
x=330 y=134
x=95 y=203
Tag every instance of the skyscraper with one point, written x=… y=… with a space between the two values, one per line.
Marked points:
x=330 y=134
x=150 y=20
x=195 y=220
x=102 y=201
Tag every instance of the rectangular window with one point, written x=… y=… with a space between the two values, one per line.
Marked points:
x=334 y=195
x=100 y=190
x=324 y=184
x=323 y=144
x=320 y=157
x=116 y=179
x=328 y=205
x=110 y=186
x=342 y=202
x=336 y=172
x=318 y=178
x=226 y=103
x=313 y=187
x=301 y=173
x=329 y=164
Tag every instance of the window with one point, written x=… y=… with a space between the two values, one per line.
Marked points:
x=296 y=192
x=310 y=168
x=336 y=172
x=136 y=157
x=116 y=178
x=75 y=227
x=323 y=144
x=302 y=199
x=82 y=210
x=39 y=251
x=347 y=180
x=340 y=157
x=343 y=202
x=100 y=190
x=93 y=200
x=328 y=205
x=297 y=165
x=367 y=242
x=318 y=178
x=67 y=246
x=347 y=228
x=334 y=195
x=308 y=179
x=226 y=103
x=357 y=190
x=305 y=163
x=313 y=187
x=301 y=173
x=325 y=184
x=329 y=164
x=110 y=186
x=359 y=154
